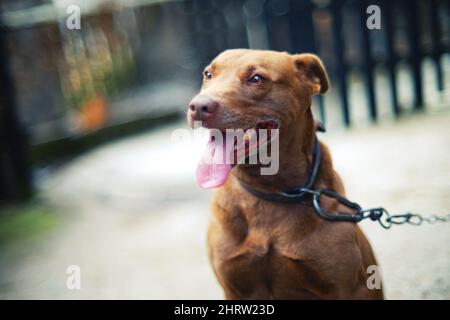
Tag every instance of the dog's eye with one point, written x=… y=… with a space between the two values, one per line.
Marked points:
x=256 y=79
x=207 y=74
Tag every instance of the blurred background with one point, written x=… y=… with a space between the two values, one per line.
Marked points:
x=89 y=175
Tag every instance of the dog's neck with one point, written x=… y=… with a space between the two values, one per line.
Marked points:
x=295 y=160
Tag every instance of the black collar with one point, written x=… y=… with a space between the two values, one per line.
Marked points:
x=296 y=195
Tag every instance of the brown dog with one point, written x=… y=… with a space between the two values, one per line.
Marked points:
x=267 y=250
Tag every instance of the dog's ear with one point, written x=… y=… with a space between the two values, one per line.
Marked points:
x=310 y=69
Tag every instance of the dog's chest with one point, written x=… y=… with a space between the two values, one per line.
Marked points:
x=271 y=264
x=281 y=257
x=271 y=269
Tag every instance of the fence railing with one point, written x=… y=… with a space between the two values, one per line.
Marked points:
x=411 y=30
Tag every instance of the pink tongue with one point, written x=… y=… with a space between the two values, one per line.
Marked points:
x=213 y=170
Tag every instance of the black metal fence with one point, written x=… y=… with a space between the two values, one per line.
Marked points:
x=411 y=30
x=49 y=73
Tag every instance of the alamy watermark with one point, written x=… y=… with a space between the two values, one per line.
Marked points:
x=73 y=281
x=236 y=146
x=373 y=21
x=73 y=20
x=374 y=279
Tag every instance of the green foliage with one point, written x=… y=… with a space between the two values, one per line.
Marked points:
x=25 y=222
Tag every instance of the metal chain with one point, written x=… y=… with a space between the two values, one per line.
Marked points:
x=384 y=218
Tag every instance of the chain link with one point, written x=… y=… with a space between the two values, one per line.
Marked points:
x=384 y=218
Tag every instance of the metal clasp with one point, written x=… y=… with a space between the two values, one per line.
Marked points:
x=336 y=216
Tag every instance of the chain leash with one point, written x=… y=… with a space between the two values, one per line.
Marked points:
x=384 y=218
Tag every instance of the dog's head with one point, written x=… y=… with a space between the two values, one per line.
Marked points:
x=254 y=89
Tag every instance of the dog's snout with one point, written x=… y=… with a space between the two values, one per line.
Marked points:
x=202 y=107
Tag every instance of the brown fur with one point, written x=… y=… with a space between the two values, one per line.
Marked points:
x=260 y=249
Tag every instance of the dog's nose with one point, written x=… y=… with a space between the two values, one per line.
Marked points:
x=202 y=107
